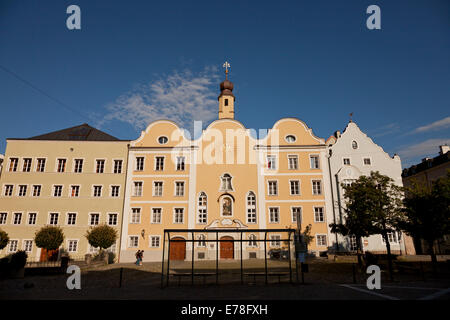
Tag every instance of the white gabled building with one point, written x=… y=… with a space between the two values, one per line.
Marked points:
x=351 y=155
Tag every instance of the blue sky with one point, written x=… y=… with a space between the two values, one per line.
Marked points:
x=135 y=61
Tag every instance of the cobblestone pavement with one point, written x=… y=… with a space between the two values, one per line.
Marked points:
x=325 y=280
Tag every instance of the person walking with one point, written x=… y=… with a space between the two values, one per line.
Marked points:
x=138 y=258
x=141 y=257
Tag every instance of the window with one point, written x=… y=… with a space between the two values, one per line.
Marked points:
x=26 y=165
x=154 y=241
x=136 y=215
x=61 y=165
x=163 y=140
x=347 y=161
x=134 y=241
x=17 y=218
x=139 y=163
x=393 y=237
x=115 y=191
x=273 y=188
x=271 y=162
x=318 y=214
x=32 y=218
x=13 y=244
x=354 y=145
x=137 y=190
x=75 y=191
x=8 y=190
x=159 y=163
x=180 y=163
x=112 y=219
x=117 y=166
x=36 y=190
x=179 y=188
x=78 y=166
x=226 y=183
x=28 y=245
x=22 y=190
x=178 y=215
x=290 y=138
x=94 y=219
x=314 y=160
x=252 y=241
x=317 y=187
x=73 y=246
x=296 y=212
x=97 y=191
x=293 y=162
x=274 y=215
x=226 y=102
x=201 y=242
x=251 y=207
x=53 y=218
x=57 y=191
x=100 y=168
x=321 y=240
x=71 y=218
x=157 y=188
x=93 y=249
x=156 y=215
x=367 y=161
x=295 y=187
x=40 y=165
x=275 y=240
x=3 y=216
x=13 y=162
x=202 y=216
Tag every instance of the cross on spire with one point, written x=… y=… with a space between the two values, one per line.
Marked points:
x=226 y=65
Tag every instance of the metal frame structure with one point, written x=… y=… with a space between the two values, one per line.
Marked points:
x=192 y=232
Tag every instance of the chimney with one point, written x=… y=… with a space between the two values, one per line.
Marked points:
x=444 y=149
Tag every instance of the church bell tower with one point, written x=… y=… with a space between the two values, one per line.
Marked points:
x=226 y=97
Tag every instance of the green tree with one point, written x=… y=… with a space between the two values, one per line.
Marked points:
x=373 y=206
x=101 y=236
x=427 y=212
x=49 y=237
x=4 y=239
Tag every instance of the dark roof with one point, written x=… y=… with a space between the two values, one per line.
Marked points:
x=426 y=164
x=82 y=132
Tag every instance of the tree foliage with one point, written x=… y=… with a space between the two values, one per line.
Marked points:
x=49 y=237
x=4 y=239
x=102 y=236
x=427 y=211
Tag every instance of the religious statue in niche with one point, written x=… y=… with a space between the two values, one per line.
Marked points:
x=226 y=206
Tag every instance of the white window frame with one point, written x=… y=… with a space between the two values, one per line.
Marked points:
x=292 y=156
x=67 y=218
x=278 y=215
x=175 y=215
x=71 y=188
x=153 y=215
x=97 y=163
x=154 y=188
x=156 y=162
x=68 y=243
x=136 y=163
x=35 y=218
x=317 y=240
x=130 y=243
x=132 y=213
x=50 y=218
x=323 y=213
x=252 y=207
x=37 y=164
x=57 y=165
x=13 y=218
x=268 y=188
x=318 y=161
x=91 y=214
x=113 y=166
x=93 y=190
x=312 y=187
x=292 y=214
x=24 y=245
x=75 y=165
x=290 y=187
x=151 y=238
x=34 y=188
x=183 y=183
x=109 y=215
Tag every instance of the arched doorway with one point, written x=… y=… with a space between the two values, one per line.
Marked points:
x=177 y=249
x=227 y=248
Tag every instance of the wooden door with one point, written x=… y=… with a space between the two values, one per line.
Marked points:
x=226 y=248
x=48 y=255
x=178 y=249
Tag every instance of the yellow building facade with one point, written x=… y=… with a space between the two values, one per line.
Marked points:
x=226 y=178
x=73 y=178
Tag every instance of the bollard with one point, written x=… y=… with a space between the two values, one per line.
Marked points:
x=120 y=278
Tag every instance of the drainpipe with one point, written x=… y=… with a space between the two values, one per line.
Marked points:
x=330 y=153
x=123 y=203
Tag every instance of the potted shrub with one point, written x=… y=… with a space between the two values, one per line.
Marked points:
x=50 y=239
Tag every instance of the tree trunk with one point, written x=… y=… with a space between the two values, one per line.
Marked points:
x=358 y=251
x=433 y=255
x=388 y=249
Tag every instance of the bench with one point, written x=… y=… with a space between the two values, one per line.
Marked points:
x=259 y=274
x=179 y=275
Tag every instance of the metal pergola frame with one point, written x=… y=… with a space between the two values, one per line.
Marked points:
x=192 y=232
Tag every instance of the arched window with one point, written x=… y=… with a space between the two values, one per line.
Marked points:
x=226 y=183
x=252 y=241
x=202 y=242
x=354 y=144
x=202 y=216
x=251 y=207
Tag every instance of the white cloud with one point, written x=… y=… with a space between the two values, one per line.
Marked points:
x=183 y=97
x=428 y=148
x=440 y=124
